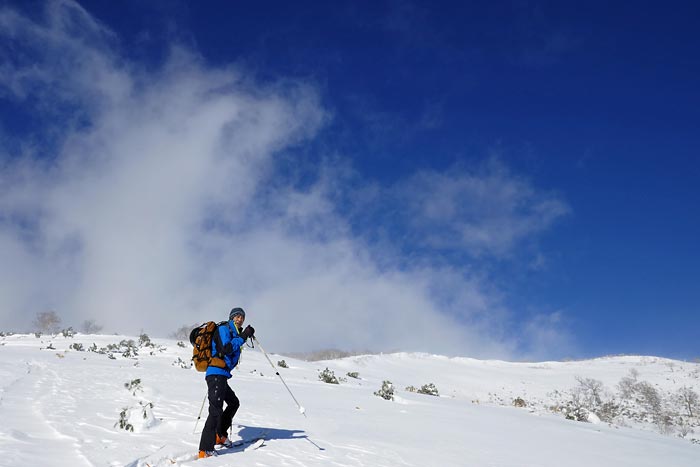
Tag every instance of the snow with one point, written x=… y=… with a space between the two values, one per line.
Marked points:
x=61 y=407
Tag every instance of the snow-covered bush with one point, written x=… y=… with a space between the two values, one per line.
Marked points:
x=145 y=341
x=182 y=363
x=127 y=348
x=387 y=391
x=132 y=420
x=411 y=388
x=282 y=364
x=68 y=332
x=428 y=389
x=134 y=385
x=519 y=402
x=123 y=421
x=328 y=376
x=353 y=374
x=77 y=346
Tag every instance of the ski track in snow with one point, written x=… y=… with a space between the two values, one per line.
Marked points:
x=68 y=402
x=29 y=401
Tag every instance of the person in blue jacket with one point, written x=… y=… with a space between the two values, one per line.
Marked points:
x=219 y=420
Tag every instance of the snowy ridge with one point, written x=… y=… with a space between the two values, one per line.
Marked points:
x=87 y=400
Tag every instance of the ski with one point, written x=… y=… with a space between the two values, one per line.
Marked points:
x=244 y=444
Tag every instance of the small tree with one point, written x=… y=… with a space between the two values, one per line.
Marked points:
x=590 y=391
x=144 y=340
x=688 y=398
x=89 y=326
x=328 y=376
x=282 y=364
x=386 y=392
x=183 y=332
x=47 y=321
x=628 y=384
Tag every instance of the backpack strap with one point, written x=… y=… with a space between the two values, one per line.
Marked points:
x=217 y=341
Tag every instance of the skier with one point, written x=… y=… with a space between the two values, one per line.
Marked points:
x=219 y=419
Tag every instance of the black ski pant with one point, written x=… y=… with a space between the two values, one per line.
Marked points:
x=219 y=419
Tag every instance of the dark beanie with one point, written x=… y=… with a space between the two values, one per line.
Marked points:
x=236 y=311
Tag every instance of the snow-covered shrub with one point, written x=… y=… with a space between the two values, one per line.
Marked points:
x=181 y=344
x=144 y=340
x=387 y=391
x=146 y=408
x=609 y=411
x=77 y=346
x=123 y=421
x=684 y=429
x=182 y=363
x=134 y=385
x=589 y=401
x=137 y=418
x=428 y=389
x=519 y=402
x=410 y=388
x=648 y=396
x=328 y=376
x=282 y=364
x=127 y=348
x=353 y=374
x=68 y=332
x=574 y=411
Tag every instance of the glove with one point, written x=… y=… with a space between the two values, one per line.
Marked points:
x=248 y=332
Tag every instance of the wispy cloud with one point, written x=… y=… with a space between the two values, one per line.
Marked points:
x=483 y=210
x=160 y=204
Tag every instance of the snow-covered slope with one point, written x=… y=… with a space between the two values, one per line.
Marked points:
x=62 y=406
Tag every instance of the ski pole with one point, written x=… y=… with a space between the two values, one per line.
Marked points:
x=302 y=410
x=200 y=414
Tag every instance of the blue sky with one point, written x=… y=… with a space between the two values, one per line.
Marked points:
x=528 y=169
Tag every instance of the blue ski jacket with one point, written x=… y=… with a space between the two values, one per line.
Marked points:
x=231 y=343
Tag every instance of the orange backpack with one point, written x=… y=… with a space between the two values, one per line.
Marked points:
x=201 y=338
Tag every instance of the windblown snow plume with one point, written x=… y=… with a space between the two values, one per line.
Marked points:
x=150 y=198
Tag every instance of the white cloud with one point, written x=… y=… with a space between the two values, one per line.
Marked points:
x=159 y=206
x=486 y=211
